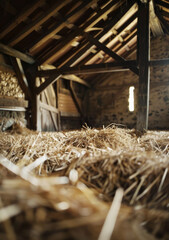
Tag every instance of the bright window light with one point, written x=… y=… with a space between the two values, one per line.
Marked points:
x=131 y=99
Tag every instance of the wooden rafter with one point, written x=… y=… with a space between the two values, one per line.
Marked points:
x=162 y=3
x=87 y=69
x=155 y=24
x=82 y=49
x=15 y=53
x=48 y=81
x=120 y=31
x=162 y=20
x=55 y=74
x=59 y=25
x=70 y=77
x=40 y=20
x=108 y=51
x=124 y=44
x=74 y=78
x=20 y=18
x=50 y=55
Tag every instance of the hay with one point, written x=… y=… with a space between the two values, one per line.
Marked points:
x=75 y=177
x=9 y=85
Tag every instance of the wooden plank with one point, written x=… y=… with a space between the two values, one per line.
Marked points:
x=159 y=62
x=144 y=69
x=68 y=77
x=162 y=3
x=95 y=68
x=69 y=114
x=155 y=25
x=13 y=102
x=86 y=47
x=108 y=27
x=56 y=87
x=124 y=44
x=108 y=51
x=48 y=107
x=35 y=118
x=164 y=13
x=74 y=78
x=162 y=20
x=101 y=46
x=59 y=25
x=11 y=108
x=44 y=85
x=48 y=57
x=21 y=17
x=120 y=32
x=88 y=69
x=15 y=53
x=66 y=104
x=75 y=99
x=21 y=77
x=40 y=20
x=51 y=112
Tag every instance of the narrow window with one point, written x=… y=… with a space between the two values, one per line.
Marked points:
x=131 y=99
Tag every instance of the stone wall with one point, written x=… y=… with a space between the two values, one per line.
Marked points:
x=108 y=102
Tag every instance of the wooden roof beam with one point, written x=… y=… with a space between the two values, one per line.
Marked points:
x=108 y=51
x=162 y=3
x=162 y=20
x=20 y=18
x=97 y=68
x=37 y=22
x=55 y=74
x=59 y=25
x=74 y=78
x=120 y=31
x=48 y=57
x=108 y=27
x=154 y=22
x=101 y=46
x=15 y=53
x=124 y=44
x=86 y=47
x=87 y=69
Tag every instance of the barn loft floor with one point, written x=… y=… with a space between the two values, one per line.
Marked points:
x=66 y=182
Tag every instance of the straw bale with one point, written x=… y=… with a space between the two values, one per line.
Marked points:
x=72 y=177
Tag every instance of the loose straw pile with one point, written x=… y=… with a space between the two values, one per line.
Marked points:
x=67 y=180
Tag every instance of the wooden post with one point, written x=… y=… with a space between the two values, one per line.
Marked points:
x=35 y=114
x=57 y=84
x=143 y=61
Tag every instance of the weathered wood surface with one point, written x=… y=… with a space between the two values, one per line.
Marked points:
x=17 y=65
x=15 y=53
x=144 y=69
x=11 y=101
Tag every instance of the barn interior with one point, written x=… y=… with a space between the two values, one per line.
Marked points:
x=84 y=119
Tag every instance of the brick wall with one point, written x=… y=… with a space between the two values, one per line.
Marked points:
x=108 y=102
